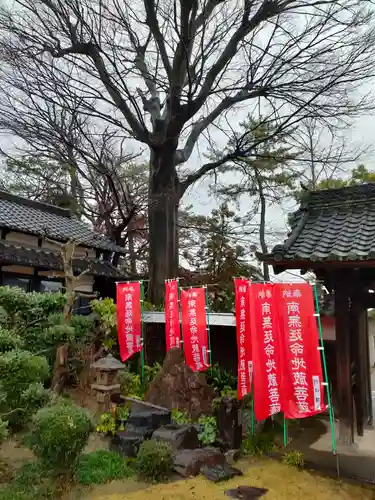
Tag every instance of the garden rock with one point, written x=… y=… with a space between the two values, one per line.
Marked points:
x=126 y=443
x=178 y=436
x=246 y=492
x=145 y=420
x=177 y=386
x=232 y=456
x=228 y=423
x=220 y=472
x=189 y=462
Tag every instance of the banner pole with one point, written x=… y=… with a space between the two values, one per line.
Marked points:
x=179 y=311
x=208 y=327
x=143 y=346
x=285 y=431
x=252 y=412
x=325 y=371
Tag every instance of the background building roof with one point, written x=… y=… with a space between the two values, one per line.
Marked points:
x=41 y=219
x=331 y=225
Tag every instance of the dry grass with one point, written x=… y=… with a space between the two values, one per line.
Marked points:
x=284 y=483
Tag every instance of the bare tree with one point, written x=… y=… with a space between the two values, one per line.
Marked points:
x=165 y=73
x=63 y=158
x=325 y=152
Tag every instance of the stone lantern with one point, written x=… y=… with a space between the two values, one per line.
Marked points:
x=105 y=381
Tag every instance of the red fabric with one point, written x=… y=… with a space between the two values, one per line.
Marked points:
x=172 y=316
x=265 y=351
x=245 y=364
x=194 y=328
x=302 y=392
x=129 y=327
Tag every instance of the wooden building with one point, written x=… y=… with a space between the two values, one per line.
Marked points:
x=30 y=234
x=333 y=235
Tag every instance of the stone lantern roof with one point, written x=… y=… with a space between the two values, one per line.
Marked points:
x=108 y=364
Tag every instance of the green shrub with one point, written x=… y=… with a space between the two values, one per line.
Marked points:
x=9 y=340
x=58 y=435
x=3 y=430
x=258 y=444
x=179 y=417
x=107 y=424
x=220 y=379
x=154 y=460
x=83 y=328
x=30 y=483
x=110 y=424
x=130 y=384
x=294 y=458
x=105 y=309
x=25 y=309
x=208 y=430
x=151 y=372
x=102 y=466
x=19 y=397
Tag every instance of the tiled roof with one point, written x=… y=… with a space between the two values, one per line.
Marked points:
x=32 y=217
x=331 y=225
x=36 y=257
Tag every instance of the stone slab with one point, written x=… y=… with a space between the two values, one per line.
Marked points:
x=220 y=472
x=126 y=443
x=178 y=436
x=189 y=462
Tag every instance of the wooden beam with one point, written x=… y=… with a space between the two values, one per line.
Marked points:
x=343 y=357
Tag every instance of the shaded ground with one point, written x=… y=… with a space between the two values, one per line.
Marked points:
x=283 y=483
x=313 y=438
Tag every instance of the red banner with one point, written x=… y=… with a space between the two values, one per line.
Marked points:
x=303 y=392
x=194 y=328
x=172 y=315
x=129 y=327
x=265 y=351
x=245 y=364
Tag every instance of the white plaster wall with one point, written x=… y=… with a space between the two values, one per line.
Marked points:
x=22 y=239
x=329 y=333
x=371 y=334
x=86 y=284
x=79 y=251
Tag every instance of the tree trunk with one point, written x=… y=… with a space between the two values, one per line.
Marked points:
x=262 y=225
x=163 y=201
x=132 y=254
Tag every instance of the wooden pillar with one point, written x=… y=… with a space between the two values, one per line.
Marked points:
x=343 y=362
x=365 y=356
x=358 y=373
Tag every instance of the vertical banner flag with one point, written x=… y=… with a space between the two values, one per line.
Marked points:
x=194 y=328
x=303 y=390
x=129 y=327
x=245 y=364
x=172 y=316
x=265 y=351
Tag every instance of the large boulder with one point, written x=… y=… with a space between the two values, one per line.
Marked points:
x=177 y=386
